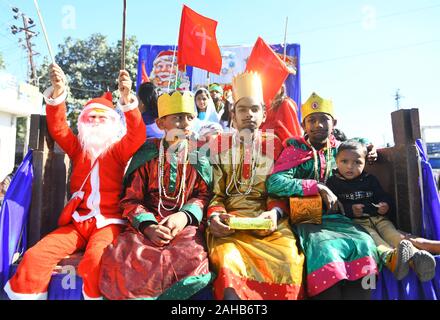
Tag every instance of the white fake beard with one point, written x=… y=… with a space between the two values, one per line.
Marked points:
x=97 y=139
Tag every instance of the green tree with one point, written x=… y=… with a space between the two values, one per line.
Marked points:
x=91 y=67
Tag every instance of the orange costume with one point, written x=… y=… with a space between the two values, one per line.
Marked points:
x=98 y=220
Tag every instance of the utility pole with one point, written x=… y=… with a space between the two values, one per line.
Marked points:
x=23 y=124
x=28 y=24
x=397 y=97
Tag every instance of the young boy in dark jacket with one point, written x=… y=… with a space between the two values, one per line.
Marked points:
x=365 y=201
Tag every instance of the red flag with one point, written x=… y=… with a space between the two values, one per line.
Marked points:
x=273 y=71
x=198 y=43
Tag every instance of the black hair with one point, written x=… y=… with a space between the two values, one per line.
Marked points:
x=339 y=135
x=352 y=145
x=148 y=95
x=226 y=116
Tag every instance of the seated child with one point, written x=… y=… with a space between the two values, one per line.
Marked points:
x=162 y=253
x=367 y=204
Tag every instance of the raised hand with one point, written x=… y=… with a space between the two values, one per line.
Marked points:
x=58 y=80
x=124 y=85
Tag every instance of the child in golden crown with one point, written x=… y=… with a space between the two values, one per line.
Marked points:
x=339 y=253
x=255 y=264
x=162 y=254
x=99 y=157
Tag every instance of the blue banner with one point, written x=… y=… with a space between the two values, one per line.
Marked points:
x=14 y=216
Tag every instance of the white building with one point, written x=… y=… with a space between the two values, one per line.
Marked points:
x=18 y=99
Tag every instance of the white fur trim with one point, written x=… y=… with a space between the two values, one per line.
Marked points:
x=23 y=296
x=102 y=221
x=100 y=106
x=130 y=106
x=93 y=203
x=53 y=102
x=86 y=297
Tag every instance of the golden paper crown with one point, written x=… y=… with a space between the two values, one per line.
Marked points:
x=178 y=102
x=316 y=104
x=247 y=84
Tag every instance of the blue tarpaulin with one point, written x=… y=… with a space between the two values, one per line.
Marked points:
x=14 y=215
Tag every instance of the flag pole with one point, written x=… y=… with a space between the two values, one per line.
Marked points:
x=285 y=39
x=174 y=56
x=208 y=78
x=124 y=21
x=52 y=58
x=172 y=66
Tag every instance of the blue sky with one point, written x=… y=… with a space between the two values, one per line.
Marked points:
x=358 y=53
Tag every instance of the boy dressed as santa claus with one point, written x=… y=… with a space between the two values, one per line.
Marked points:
x=99 y=156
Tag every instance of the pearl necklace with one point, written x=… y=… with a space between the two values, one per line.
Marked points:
x=317 y=175
x=181 y=194
x=256 y=152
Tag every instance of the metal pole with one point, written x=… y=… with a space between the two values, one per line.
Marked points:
x=174 y=57
x=285 y=39
x=43 y=27
x=123 y=35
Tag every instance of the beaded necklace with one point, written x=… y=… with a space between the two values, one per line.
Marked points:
x=317 y=175
x=256 y=152
x=181 y=194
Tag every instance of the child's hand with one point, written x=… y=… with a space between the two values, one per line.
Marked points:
x=383 y=208
x=268 y=215
x=158 y=234
x=358 y=210
x=218 y=226
x=175 y=223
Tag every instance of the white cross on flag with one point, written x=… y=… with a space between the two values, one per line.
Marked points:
x=198 y=43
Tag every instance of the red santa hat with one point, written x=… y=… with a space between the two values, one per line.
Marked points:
x=165 y=56
x=105 y=102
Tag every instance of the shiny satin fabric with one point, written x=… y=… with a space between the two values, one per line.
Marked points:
x=133 y=267
x=253 y=204
x=338 y=249
x=142 y=194
x=129 y=268
x=257 y=267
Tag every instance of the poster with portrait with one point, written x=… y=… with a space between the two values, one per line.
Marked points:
x=157 y=63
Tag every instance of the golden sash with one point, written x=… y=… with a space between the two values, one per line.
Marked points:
x=306 y=209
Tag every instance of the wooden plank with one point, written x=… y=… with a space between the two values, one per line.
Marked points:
x=49 y=185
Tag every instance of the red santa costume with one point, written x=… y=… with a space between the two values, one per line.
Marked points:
x=98 y=219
